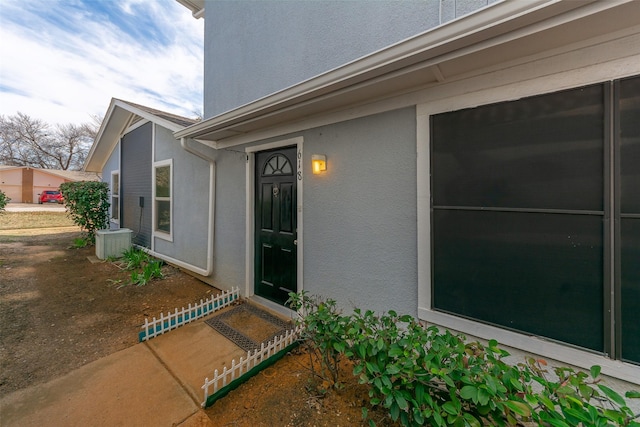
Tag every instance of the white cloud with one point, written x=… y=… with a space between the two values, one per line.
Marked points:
x=62 y=62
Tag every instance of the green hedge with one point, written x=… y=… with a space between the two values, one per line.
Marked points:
x=426 y=377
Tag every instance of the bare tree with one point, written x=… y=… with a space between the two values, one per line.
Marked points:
x=25 y=141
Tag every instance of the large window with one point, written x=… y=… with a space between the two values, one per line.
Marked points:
x=522 y=206
x=162 y=196
x=115 y=196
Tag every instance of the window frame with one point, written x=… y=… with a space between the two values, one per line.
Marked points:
x=115 y=195
x=155 y=211
x=457 y=100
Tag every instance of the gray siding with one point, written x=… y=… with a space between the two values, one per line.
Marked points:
x=229 y=241
x=135 y=177
x=253 y=49
x=190 y=208
x=359 y=218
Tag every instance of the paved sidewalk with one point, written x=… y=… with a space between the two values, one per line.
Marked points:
x=156 y=383
x=34 y=207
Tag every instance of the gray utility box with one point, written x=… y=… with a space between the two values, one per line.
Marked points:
x=112 y=243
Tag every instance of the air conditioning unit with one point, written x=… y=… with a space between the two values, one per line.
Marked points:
x=112 y=243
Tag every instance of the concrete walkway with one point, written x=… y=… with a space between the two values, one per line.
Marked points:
x=34 y=207
x=156 y=383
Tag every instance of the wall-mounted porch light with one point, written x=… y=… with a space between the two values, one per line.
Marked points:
x=318 y=163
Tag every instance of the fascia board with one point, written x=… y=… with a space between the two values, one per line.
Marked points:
x=195 y=6
x=493 y=21
x=95 y=161
x=173 y=127
x=113 y=126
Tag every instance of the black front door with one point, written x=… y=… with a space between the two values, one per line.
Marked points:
x=275 y=224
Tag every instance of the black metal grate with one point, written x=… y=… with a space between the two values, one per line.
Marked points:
x=219 y=323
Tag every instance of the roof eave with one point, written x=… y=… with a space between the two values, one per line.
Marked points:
x=421 y=55
x=115 y=122
x=195 y=6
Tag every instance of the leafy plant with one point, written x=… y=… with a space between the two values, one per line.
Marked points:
x=4 y=199
x=134 y=258
x=80 y=242
x=150 y=271
x=143 y=267
x=88 y=205
x=323 y=335
x=426 y=377
x=577 y=399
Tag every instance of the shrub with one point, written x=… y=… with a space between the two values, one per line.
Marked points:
x=426 y=377
x=4 y=199
x=323 y=336
x=88 y=205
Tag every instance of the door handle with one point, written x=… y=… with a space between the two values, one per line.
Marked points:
x=295 y=242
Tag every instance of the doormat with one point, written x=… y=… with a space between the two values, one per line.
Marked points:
x=248 y=326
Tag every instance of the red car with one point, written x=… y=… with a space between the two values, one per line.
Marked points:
x=50 y=196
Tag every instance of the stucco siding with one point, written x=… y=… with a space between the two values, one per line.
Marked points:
x=190 y=201
x=251 y=51
x=229 y=242
x=135 y=178
x=360 y=216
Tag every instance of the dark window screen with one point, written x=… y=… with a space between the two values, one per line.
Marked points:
x=630 y=278
x=534 y=261
x=630 y=212
x=539 y=273
x=540 y=152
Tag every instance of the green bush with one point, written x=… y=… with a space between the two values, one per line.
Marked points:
x=426 y=377
x=88 y=205
x=4 y=199
x=323 y=336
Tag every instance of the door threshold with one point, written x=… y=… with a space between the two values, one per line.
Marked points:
x=273 y=306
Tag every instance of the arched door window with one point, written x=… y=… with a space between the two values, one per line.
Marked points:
x=277 y=165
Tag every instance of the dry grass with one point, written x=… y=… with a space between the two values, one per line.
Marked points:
x=21 y=220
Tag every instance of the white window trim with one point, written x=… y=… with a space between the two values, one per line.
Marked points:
x=250 y=215
x=111 y=218
x=154 y=214
x=483 y=95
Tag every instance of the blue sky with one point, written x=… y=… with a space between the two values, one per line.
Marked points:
x=63 y=60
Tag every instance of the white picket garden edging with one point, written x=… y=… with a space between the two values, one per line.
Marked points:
x=155 y=327
x=244 y=365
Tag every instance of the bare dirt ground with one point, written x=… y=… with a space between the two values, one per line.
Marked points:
x=58 y=311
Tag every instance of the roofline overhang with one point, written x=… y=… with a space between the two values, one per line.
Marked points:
x=195 y=6
x=116 y=121
x=422 y=57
